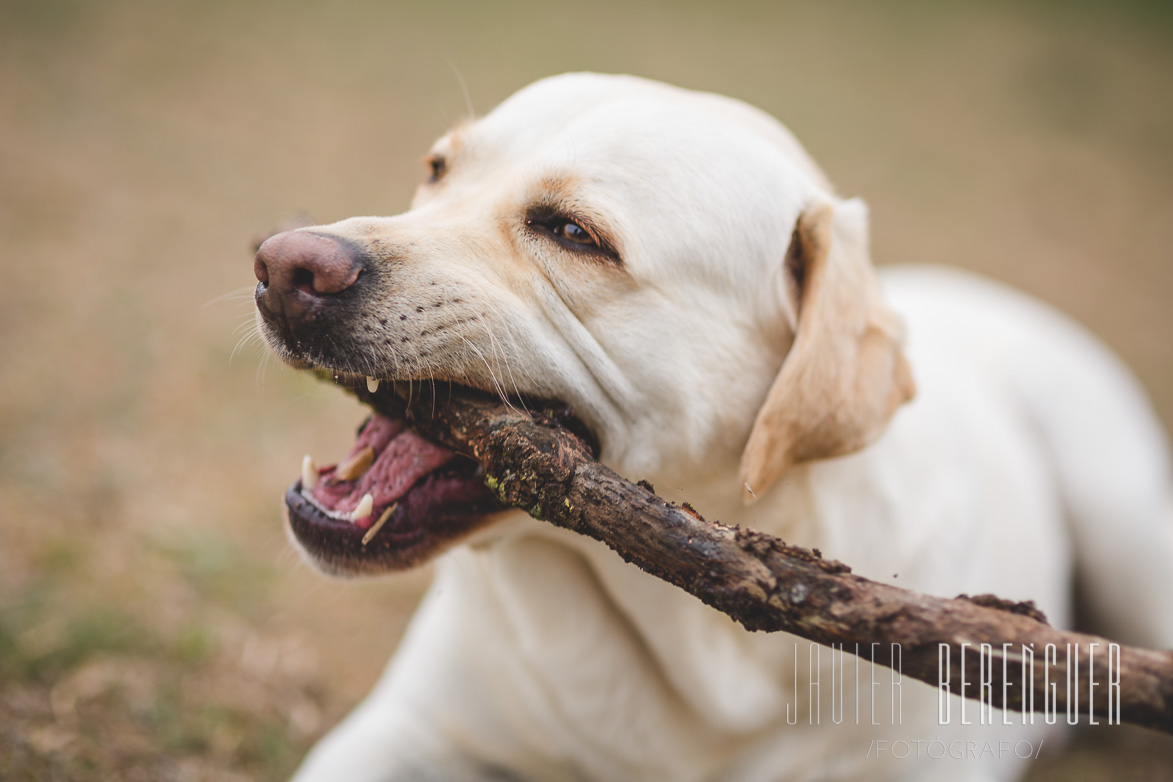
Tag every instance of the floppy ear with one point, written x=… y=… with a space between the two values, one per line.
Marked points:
x=845 y=375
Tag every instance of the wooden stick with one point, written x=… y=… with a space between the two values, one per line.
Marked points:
x=535 y=463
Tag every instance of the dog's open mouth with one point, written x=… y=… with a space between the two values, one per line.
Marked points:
x=395 y=501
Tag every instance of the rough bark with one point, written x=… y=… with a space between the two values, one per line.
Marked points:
x=536 y=463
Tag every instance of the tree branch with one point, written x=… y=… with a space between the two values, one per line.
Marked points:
x=534 y=462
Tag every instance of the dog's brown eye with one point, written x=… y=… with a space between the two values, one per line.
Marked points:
x=573 y=232
x=438 y=167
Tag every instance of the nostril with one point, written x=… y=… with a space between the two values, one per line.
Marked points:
x=302 y=278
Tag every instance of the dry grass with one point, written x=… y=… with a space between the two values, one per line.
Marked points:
x=153 y=622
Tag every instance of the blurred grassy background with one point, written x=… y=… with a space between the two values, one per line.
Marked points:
x=154 y=624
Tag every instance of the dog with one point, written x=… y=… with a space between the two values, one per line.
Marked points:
x=674 y=267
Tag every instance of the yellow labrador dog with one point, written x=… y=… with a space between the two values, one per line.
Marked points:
x=674 y=267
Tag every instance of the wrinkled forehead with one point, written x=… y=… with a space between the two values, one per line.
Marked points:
x=623 y=135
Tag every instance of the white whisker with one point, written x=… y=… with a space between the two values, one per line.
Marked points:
x=464 y=89
x=492 y=375
x=237 y=294
x=502 y=357
x=251 y=337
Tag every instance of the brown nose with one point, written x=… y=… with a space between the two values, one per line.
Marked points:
x=299 y=271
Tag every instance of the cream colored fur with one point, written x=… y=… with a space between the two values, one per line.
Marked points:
x=705 y=365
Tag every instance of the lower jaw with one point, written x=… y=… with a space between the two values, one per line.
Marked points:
x=418 y=531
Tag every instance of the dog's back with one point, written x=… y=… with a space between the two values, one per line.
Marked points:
x=1097 y=429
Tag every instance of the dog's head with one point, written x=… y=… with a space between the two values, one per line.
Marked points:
x=647 y=255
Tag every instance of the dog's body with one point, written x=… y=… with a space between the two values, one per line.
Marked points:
x=713 y=252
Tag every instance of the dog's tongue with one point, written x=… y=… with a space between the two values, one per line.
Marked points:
x=401 y=458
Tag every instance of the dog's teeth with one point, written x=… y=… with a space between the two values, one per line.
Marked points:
x=355 y=466
x=309 y=472
x=365 y=506
x=372 y=384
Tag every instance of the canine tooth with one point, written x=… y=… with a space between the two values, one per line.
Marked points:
x=309 y=472
x=372 y=384
x=379 y=524
x=365 y=506
x=355 y=466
